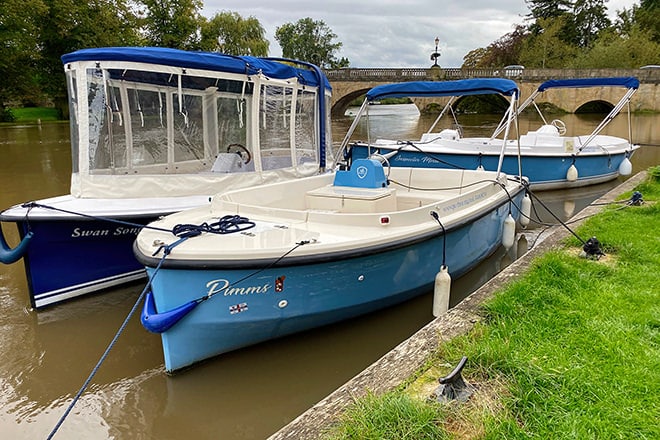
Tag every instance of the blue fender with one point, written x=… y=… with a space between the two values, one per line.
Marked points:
x=9 y=255
x=160 y=322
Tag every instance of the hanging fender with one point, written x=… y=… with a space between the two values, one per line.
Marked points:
x=9 y=255
x=161 y=322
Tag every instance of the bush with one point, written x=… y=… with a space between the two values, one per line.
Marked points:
x=7 y=115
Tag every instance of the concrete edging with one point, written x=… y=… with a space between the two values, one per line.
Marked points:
x=404 y=360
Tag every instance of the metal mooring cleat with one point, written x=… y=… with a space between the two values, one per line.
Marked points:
x=453 y=387
x=592 y=249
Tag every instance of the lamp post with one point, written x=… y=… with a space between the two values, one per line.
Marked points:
x=435 y=55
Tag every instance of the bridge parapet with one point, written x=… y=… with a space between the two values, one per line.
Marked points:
x=646 y=76
x=350 y=83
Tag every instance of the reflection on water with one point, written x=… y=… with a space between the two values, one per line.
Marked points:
x=248 y=394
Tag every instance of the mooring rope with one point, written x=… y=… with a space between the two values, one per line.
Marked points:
x=112 y=344
x=31 y=205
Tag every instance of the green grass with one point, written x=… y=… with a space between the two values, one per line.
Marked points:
x=32 y=114
x=574 y=344
x=394 y=416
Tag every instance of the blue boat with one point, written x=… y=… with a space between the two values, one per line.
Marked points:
x=155 y=131
x=268 y=261
x=547 y=156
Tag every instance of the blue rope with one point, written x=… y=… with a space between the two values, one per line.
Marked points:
x=226 y=225
x=114 y=340
x=30 y=205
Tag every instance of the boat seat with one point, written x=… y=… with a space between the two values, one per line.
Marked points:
x=547 y=129
x=350 y=199
x=230 y=163
x=275 y=162
x=446 y=134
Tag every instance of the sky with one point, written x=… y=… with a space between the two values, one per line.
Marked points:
x=394 y=33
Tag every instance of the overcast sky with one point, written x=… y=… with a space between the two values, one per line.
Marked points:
x=394 y=33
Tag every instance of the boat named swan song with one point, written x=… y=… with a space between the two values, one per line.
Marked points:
x=155 y=131
x=548 y=157
x=268 y=261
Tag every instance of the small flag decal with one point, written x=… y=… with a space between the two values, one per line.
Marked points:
x=238 y=308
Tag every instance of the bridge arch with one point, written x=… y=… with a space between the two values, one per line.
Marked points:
x=340 y=105
x=596 y=106
x=497 y=102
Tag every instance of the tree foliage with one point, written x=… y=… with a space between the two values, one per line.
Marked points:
x=589 y=19
x=19 y=54
x=70 y=25
x=544 y=9
x=648 y=17
x=501 y=52
x=547 y=49
x=311 y=41
x=577 y=34
x=229 y=33
x=33 y=43
x=171 y=23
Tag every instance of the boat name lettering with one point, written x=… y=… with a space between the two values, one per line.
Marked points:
x=414 y=159
x=127 y=231
x=120 y=230
x=465 y=202
x=79 y=232
x=223 y=286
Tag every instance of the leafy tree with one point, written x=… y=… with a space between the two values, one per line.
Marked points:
x=546 y=49
x=19 y=54
x=70 y=25
x=473 y=58
x=612 y=51
x=589 y=18
x=648 y=17
x=546 y=10
x=311 y=41
x=543 y=9
x=500 y=53
x=232 y=34
x=171 y=23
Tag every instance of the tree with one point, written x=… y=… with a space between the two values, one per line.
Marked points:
x=589 y=18
x=19 y=51
x=546 y=9
x=70 y=25
x=610 y=50
x=232 y=34
x=473 y=58
x=500 y=53
x=311 y=41
x=648 y=17
x=171 y=23
x=546 y=49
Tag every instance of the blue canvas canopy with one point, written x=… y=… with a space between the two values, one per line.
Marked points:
x=425 y=89
x=213 y=61
x=629 y=82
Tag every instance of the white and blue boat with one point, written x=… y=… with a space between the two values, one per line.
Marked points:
x=313 y=251
x=155 y=131
x=547 y=156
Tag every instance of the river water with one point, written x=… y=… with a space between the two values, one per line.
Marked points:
x=248 y=394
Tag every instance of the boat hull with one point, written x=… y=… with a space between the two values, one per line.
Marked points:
x=544 y=172
x=67 y=258
x=281 y=300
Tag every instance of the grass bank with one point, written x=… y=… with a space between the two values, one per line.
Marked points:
x=34 y=114
x=570 y=350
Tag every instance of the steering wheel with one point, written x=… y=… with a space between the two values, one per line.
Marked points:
x=241 y=149
x=385 y=161
x=559 y=125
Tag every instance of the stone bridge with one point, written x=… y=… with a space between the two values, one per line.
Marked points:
x=349 y=84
